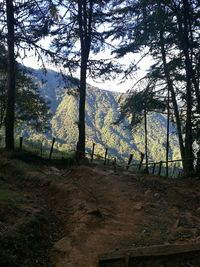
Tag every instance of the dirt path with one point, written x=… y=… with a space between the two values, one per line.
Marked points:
x=107 y=211
x=91 y=211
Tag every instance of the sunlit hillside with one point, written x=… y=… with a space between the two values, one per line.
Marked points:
x=102 y=110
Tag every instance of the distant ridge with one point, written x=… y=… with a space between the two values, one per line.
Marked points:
x=102 y=109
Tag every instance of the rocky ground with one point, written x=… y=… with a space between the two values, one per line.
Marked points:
x=52 y=216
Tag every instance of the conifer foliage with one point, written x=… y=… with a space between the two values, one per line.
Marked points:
x=79 y=34
x=168 y=32
x=23 y=24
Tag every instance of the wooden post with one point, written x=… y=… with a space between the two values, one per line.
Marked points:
x=174 y=168
x=146 y=136
x=115 y=164
x=77 y=152
x=41 y=149
x=160 y=168
x=141 y=160
x=92 y=155
x=20 y=143
x=129 y=161
x=167 y=141
x=105 y=158
x=154 y=166
x=51 y=151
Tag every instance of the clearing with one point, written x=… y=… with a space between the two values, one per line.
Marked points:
x=51 y=216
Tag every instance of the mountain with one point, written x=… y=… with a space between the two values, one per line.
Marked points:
x=102 y=110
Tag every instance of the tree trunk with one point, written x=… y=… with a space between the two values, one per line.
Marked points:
x=174 y=102
x=146 y=136
x=10 y=106
x=188 y=69
x=82 y=97
x=85 y=10
x=167 y=141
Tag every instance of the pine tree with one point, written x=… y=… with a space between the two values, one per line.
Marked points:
x=167 y=31
x=136 y=107
x=23 y=24
x=78 y=35
x=30 y=108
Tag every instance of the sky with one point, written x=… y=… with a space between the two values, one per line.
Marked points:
x=112 y=84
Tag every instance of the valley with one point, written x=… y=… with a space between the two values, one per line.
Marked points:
x=102 y=110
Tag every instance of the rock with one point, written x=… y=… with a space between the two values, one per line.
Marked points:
x=54 y=169
x=96 y=213
x=139 y=206
x=186 y=220
x=176 y=223
x=148 y=192
x=157 y=195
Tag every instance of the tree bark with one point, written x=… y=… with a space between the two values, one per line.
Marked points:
x=85 y=29
x=173 y=95
x=82 y=98
x=10 y=106
x=167 y=139
x=146 y=138
x=189 y=71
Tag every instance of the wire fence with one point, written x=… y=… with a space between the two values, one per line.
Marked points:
x=172 y=168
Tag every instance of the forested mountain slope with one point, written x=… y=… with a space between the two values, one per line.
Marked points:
x=102 y=109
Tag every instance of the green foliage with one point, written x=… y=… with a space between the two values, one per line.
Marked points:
x=139 y=102
x=31 y=108
x=102 y=110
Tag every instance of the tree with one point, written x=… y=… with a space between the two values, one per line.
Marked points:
x=85 y=17
x=166 y=30
x=136 y=107
x=78 y=35
x=23 y=24
x=31 y=109
x=10 y=106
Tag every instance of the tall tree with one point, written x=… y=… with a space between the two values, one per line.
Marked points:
x=79 y=34
x=85 y=17
x=167 y=31
x=137 y=105
x=31 y=109
x=10 y=114
x=23 y=24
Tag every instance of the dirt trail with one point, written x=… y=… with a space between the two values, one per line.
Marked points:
x=105 y=211
x=92 y=211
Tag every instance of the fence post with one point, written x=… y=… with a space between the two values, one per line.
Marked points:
x=129 y=161
x=115 y=164
x=20 y=143
x=51 y=151
x=154 y=166
x=41 y=149
x=77 y=152
x=92 y=155
x=105 y=158
x=160 y=168
x=173 y=172
x=141 y=160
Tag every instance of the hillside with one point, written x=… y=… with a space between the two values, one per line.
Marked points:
x=102 y=109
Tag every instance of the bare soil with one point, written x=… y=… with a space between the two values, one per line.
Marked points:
x=90 y=211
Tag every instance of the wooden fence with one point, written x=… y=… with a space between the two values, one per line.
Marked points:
x=160 y=168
